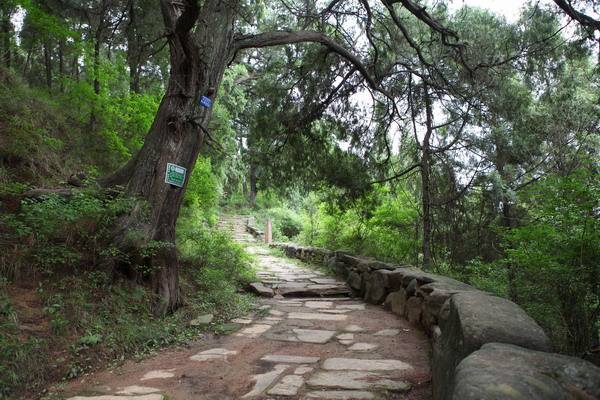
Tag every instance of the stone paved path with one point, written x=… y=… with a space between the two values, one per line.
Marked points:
x=290 y=348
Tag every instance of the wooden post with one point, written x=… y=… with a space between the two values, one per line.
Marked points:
x=269 y=232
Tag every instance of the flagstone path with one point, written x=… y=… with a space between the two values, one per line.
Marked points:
x=290 y=348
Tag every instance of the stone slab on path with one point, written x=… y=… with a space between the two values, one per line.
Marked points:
x=313 y=335
x=159 y=374
x=288 y=386
x=261 y=290
x=340 y=395
x=213 y=354
x=288 y=359
x=153 y=396
x=356 y=380
x=358 y=364
x=263 y=381
x=317 y=316
x=135 y=389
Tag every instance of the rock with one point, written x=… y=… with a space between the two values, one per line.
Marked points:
x=363 y=346
x=317 y=316
x=313 y=335
x=263 y=381
x=375 y=287
x=345 y=336
x=303 y=369
x=213 y=354
x=153 y=396
x=288 y=386
x=380 y=265
x=411 y=288
x=351 y=306
x=159 y=374
x=413 y=310
x=468 y=320
x=396 y=302
x=356 y=364
x=354 y=280
x=132 y=390
x=287 y=359
x=507 y=372
x=261 y=289
x=243 y=321
x=202 y=320
x=317 y=290
x=394 y=280
x=255 y=330
x=354 y=328
x=356 y=380
x=341 y=395
x=318 y=304
x=387 y=332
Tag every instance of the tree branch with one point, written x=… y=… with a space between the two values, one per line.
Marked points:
x=580 y=17
x=396 y=176
x=422 y=14
x=277 y=38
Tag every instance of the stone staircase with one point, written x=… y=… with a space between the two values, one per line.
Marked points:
x=235 y=225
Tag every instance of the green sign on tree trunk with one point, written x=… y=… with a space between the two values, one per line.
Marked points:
x=175 y=175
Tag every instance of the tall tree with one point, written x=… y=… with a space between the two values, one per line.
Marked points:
x=202 y=42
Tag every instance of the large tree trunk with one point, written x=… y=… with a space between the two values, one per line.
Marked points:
x=198 y=61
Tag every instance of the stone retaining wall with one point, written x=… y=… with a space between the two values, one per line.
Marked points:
x=255 y=232
x=479 y=340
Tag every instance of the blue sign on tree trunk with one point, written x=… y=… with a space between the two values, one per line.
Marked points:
x=205 y=102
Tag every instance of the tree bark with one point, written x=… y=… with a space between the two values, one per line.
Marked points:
x=425 y=169
x=6 y=29
x=253 y=188
x=61 y=63
x=48 y=64
x=198 y=61
x=133 y=51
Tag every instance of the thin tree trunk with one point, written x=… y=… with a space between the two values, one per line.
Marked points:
x=61 y=63
x=133 y=51
x=96 y=60
x=426 y=182
x=6 y=36
x=426 y=205
x=27 y=60
x=48 y=64
x=253 y=186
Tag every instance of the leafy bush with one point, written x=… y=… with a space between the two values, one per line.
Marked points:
x=59 y=232
x=380 y=224
x=287 y=224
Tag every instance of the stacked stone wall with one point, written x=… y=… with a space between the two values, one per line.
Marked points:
x=474 y=334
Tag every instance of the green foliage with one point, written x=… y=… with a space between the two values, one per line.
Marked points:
x=203 y=190
x=54 y=232
x=286 y=223
x=556 y=257
x=381 y=225
x=216 y=268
